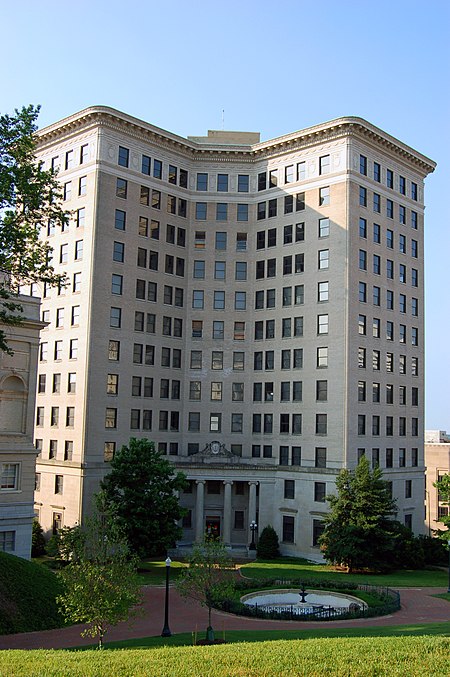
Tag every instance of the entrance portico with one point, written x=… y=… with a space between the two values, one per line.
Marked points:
x=224 y=508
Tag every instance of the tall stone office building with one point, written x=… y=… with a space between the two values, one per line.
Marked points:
x=255 y=308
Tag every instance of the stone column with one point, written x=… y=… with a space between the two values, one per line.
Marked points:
x=251 y=507
x=199 y=511
x=227 y=512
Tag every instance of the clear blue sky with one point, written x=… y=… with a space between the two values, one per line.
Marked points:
x=274 y=67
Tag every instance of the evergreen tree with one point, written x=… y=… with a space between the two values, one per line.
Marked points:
x=140 y=495
x=37 y=540
x=358 y=530
x=30 y=197
x=268 y=545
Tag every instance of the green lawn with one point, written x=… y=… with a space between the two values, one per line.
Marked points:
x=444 y=595
x=233 y=636
x=289 y=568
x=154 y=573
x=338 y=657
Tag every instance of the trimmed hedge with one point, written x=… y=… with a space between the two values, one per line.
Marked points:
x=27 y=596
x=387 y=601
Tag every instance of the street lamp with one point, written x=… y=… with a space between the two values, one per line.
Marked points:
x=448 y=590
x=253 y=528
x=166 y=630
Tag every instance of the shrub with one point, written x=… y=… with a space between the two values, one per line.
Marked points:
x=406 y=550
x=268 y=545
x=434 y=550
x=37 y=540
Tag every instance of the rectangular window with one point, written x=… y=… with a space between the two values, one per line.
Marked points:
x=9 y=478
x=363 y=165
x=113 y=350
x=323 y=259
x=300 y=202
x=69 y=160
x=196 y=359
x=320 y=490
x=324 y=164
x=200 y=211
x=243 y=183
x=120 y=219
x=82 y=183
x=289 y=489
x=376 y=203
x=320 y=457
x=324 y=196
x=362 y=228
x=363 y=196
x=215 y=423
x=123 y=157
x=221 y=211
x=321 y=424
x=242 y=212
x=202 y=181
x=199 y=269
x=389 y=209
x=222 y=183
x=324 y=227
x=376 y=233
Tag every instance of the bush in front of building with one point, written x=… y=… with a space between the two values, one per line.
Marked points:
x=37 y=540
x=435 y=551
x=268 y=545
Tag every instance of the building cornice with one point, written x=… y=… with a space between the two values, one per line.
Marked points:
x=345 y=127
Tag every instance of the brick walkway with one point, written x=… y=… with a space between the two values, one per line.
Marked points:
x=187 y=616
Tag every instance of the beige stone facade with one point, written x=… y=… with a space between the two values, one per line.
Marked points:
x=437 y=463
x=255 y=308
x=17 y=451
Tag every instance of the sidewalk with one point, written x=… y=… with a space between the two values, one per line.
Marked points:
x=418 y=606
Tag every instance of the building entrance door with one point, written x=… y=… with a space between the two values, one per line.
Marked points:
x=212 y=527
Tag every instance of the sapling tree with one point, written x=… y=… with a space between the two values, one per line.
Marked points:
x=101 y=587
x=208 y=577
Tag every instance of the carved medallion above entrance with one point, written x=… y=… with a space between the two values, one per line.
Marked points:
x=215 y=450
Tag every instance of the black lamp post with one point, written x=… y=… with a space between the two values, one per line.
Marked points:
x=253 y=528
x=448 y=590
x=166 y=630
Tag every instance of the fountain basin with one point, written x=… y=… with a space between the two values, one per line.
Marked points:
x=289 y=599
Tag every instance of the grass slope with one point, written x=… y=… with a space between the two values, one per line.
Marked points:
x=27 y=596
x=363 y=657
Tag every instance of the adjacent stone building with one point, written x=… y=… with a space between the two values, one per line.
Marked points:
x=437 y=463
x=17 y=410
x=255 y=308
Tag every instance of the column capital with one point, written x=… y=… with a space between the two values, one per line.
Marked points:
x=253 y=482
x=200 y=481
x=228 y=481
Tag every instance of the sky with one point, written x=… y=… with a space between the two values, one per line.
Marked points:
x=271 y=67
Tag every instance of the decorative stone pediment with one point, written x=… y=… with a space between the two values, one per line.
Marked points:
x=215 y=449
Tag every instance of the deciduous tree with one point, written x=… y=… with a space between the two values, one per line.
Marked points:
x=30 y=197
x=101 y=587
x=208 y=577
x=140 y=493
